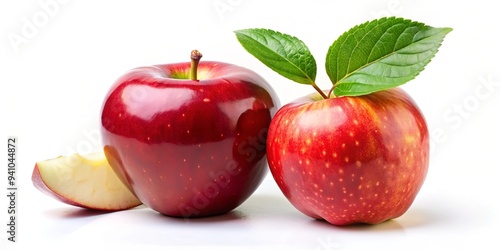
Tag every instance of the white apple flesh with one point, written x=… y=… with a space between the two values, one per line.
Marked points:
x=86 y=181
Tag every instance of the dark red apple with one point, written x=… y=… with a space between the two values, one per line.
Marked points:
x=350 y=159
x=188 y=139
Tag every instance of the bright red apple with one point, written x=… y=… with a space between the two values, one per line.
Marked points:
x=188 y=139
x=350 y=159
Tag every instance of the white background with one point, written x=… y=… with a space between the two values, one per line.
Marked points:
x=53 y=81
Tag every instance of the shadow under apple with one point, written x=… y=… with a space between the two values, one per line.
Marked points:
x=76 y=212
x=389 y=225
x=414 y=217
x=233 y=215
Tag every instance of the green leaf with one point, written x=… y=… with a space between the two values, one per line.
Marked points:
x=285 y=54
x=381 y=54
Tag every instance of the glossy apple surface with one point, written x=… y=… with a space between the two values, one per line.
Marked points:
x=189 y=148
x=350 y=160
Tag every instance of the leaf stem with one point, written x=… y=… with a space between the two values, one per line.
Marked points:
x=195 y=60
x=319 y=90
x=331 y=91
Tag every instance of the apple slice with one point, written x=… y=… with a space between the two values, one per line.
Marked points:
x=86 y=181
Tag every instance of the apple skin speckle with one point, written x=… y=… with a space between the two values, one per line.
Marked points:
x=369 y=156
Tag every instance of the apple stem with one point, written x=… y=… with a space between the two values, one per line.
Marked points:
x=320 y=91
x=195 y=60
